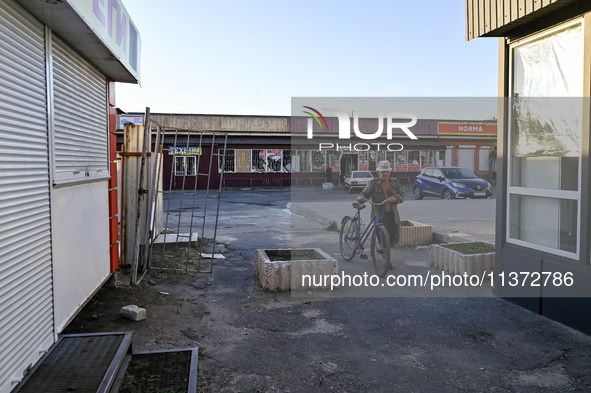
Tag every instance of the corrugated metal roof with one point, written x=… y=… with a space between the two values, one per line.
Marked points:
x=508 y=18
x=299 y=142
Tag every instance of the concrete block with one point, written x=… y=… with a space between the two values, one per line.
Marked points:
x=414 y=233
x=282 y=270
x=454 y=262
x=134 y=313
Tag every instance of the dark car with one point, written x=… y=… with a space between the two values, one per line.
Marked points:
x=449 y=183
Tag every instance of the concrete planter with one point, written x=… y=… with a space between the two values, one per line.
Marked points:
x=415 y=234
x=455 y=262
x=282 y=270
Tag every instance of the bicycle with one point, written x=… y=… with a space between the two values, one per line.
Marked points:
x=352 y=239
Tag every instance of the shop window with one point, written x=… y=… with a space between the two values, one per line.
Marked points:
x=185 y=165
x=389 y=156
x=301 y=161
x=287 y=167
x=427 y=158
x=414 y=164
x=556 y=228
x=259 y=161
x=441 y=155
x=363 y=162
x=400 y=160
x=545 y=142
x=273 y=160
x=373 y=160
x=317 y=161
x=332 y=159
x=228 y=161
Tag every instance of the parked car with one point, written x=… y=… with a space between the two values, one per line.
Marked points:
x=357 y=179
x=449 y=183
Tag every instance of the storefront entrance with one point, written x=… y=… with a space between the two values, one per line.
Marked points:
x=349 y=162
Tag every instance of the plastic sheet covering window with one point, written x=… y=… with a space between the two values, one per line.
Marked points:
x=547 y=74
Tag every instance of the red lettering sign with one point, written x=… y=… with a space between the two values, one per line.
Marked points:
x=474 y=129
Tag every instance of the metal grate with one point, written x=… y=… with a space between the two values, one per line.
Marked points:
x=155 y=372
x=76 y=364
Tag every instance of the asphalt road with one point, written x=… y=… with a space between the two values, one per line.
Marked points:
x=458 y=219
x=353 y=341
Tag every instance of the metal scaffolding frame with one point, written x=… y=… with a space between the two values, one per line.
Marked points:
x=179 y=239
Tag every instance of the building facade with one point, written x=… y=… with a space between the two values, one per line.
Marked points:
x=58 y=205
x=543 y=186
x=273 y=151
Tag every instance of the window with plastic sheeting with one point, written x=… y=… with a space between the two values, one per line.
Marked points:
x=545 y=133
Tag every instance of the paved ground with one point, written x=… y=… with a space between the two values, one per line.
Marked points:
x=254 y=340
x=458 y=219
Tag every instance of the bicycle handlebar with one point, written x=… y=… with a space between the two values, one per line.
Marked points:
x=374 y=204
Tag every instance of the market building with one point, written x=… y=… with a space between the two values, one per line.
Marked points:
x=273 y=151
x=471 y=145
x=58 y=199
x=543 y=184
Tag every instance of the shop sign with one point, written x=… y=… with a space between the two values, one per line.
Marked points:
x=184 y=151
x=472 y=129
x=111 y=23
x=136 y=120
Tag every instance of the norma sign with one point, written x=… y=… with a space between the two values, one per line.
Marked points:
x=472 y=129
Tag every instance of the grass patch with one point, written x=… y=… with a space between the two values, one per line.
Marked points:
x=471 y=248
x=203 y=353
x=333 y=227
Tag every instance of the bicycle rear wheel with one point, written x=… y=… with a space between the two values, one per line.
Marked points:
x=348 y=239
x=380 y=250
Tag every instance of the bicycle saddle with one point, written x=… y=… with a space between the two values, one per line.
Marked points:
x=358 y=206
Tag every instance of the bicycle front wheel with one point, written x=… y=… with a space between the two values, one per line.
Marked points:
x=348 y=238
x=380 y=250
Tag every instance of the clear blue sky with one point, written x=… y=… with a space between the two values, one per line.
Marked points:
x=251 y=57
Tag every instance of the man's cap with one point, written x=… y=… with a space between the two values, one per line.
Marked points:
x=384 y=166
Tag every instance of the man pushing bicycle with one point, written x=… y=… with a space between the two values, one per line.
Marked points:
x=381 y=188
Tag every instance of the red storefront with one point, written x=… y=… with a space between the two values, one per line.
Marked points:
x=471 y=145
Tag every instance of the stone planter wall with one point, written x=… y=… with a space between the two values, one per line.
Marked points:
x=415 y=234
x=282 y=269
x=454 y=262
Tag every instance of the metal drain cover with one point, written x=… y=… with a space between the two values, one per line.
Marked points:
x=173 y=371
x=84 y=363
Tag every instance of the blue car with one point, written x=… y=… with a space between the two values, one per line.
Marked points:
x=450 y=183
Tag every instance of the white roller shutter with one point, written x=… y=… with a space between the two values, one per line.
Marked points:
x=466 y=157
x=80 y=117
x=483 y=155
x=26 y=313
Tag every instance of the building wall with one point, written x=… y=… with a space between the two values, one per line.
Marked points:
x=80 y=236
x=54 y=232
x=479 y=156
x=570 y=305
x=26 y=298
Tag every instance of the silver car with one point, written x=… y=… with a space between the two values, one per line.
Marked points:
x=357 y=179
